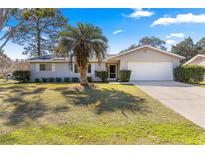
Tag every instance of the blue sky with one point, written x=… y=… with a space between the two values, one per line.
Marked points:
x=124 y=27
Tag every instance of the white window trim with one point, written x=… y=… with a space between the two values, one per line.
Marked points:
x=37 y=67
x=53 y=67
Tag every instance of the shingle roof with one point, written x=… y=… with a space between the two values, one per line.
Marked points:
x=46 y=57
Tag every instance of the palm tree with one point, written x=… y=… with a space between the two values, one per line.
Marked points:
x=83 y=42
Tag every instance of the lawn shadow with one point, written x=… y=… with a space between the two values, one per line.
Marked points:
x=26 y=109
x=29 y=108
x=20 y=92
x=61 y=108
x=106 y=100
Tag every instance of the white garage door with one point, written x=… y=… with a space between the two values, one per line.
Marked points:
x=151 y=70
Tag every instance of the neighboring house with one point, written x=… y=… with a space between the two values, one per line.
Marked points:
x=146 y=63
x=196 y=60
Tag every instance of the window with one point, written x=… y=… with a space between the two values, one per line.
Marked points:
x=45 y=67
x=75 y=69
x=89 y=68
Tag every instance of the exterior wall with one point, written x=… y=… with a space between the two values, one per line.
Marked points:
x=63 y=70
x=147 y=55
x=202 y=63
x=198 y=61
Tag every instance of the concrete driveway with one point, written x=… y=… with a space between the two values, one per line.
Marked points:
x=185 y=99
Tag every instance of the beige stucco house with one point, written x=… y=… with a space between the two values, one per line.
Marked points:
x=196 y=60
x=145 y=63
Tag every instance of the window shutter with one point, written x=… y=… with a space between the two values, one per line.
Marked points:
x=37 y=67
x=92 y=68
x=53 y=67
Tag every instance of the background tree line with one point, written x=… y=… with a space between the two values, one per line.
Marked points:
x=35 y=29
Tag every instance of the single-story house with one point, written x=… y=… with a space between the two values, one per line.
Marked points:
x=196 y=60
x=145 y=63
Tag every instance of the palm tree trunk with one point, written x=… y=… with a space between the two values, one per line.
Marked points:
x=83 y=76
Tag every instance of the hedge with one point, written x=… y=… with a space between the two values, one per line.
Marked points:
x=37 y=80
x=124 y=75
x=58 y=79
x=51 y=79
x=66 y=79
x=102 y=75
x=189 y=73
x=75 y=79
x=21 y=75
x=44 y=79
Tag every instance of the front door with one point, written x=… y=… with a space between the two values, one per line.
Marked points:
x=112 y=71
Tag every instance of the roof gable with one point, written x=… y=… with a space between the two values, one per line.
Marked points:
x=150 y=47
x=194 y=59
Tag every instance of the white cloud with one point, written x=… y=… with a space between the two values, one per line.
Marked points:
x=117 y=31
x=179 y=19
x=138 y=13
x=170 y=41
x=180 y=35
x=168 y=36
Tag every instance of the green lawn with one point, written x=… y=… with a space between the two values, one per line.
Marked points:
x=2 y=80
x=202 y=84
x=107 y=114
x=7 y=81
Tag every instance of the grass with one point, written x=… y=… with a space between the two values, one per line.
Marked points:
x=7 y=81
x=70 y=114
x=2 y=80
x=201 y=84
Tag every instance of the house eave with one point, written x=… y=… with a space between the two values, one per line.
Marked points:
x=60 y=61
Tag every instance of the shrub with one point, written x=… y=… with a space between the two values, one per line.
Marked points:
x=22 y=75
x=124 y=75
x=66 y=79
x=37 y=80
x=102 y=75
x=89 y=79
x=1 y=76
x=75 y=79
x=189 y=73
x=58 y=79
x=50 y=79
x=44 y=79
